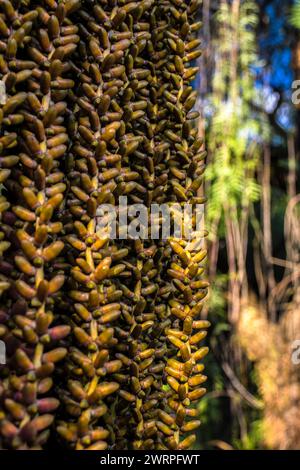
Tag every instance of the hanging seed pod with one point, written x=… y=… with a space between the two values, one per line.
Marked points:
x=96 y=103
x=35 y=281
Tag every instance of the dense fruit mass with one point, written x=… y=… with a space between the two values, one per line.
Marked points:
x=102 y=336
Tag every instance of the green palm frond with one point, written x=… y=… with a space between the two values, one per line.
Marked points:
x=234 y=133
x=295 y=15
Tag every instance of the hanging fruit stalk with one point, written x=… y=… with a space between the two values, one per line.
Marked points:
x=34 y=140
x=96 y=103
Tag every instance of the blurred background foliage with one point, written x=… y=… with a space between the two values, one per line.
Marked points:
x=251 y=129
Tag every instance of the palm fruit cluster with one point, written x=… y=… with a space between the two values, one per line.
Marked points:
x=102 y=335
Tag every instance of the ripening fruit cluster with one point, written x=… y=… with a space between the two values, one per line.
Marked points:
x=102 y=336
